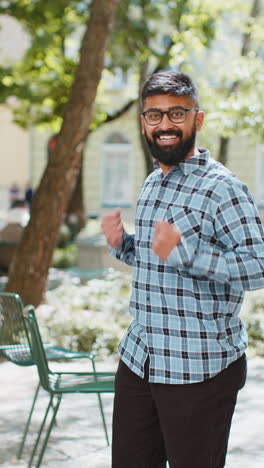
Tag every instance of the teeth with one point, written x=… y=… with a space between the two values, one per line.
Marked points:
x=167 y=137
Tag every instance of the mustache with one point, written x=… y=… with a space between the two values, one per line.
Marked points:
x=159 y=133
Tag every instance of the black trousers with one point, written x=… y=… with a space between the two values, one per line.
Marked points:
x=186 y=425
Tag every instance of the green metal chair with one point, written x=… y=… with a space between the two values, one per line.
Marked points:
x=16 y=347
x=59 y=383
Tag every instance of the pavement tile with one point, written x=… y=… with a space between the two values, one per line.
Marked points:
x=78 y=439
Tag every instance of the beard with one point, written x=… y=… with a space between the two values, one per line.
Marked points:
x=172 y=155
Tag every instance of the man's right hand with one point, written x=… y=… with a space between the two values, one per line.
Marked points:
x=113 y=228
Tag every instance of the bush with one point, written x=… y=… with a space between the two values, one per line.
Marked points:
x=65 y=257
x=93 y=317
x=253 y=316
x=64 y=236
x=89 y=317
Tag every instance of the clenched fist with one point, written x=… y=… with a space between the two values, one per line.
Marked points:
x=113 y=228
x=166 y=237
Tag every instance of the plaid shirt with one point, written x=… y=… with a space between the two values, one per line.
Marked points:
x=186 y=308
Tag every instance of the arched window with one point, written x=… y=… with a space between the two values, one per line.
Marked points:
x=116 y=172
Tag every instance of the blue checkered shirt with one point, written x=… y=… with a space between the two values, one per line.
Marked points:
x=186 y=308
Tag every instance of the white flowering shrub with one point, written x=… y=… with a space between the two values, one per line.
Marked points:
x=252 y=314
x=89 y=317
x=93 y=316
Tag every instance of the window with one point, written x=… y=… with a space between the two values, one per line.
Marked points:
x=116 y=172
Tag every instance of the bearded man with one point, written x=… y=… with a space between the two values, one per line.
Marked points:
x=198 y=245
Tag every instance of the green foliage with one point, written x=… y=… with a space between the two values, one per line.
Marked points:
x=241 y=110
x=148 y=29
x=233 y=101
x=36 y=13
x=160 y=33
x=65 y=257
x=64 y=235
x=42 y=80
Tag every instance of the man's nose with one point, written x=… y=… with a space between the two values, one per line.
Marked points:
x=166 y=123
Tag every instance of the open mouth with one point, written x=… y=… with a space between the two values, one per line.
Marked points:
x=167 y=139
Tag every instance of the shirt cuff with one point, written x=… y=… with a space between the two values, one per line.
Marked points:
x=117 y=251
x=211 y=263
x=182 y=254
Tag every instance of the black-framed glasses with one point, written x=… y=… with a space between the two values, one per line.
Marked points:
x=176 y=115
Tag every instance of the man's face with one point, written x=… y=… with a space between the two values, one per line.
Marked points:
x=171 y=143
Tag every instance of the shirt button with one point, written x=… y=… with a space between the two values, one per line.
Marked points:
x=156 y=204
x=148 y=298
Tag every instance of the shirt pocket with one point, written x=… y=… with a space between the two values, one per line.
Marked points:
x=187 y=220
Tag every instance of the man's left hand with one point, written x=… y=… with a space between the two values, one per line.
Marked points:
x=166 y=237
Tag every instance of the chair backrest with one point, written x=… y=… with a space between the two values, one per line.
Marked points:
x=37 y=347
x=14 y=338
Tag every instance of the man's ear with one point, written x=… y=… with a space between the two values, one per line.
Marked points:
x=142 y=125
x=199 y=120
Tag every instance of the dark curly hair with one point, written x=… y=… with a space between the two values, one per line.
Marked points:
x=170 y=82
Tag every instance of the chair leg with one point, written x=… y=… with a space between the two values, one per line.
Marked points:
x=50 y=405
x=52 y=421
x=28 y=422
x=103 y=417
x=101 y=407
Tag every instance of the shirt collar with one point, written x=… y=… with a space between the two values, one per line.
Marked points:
x=191 y=164
x=195 y=162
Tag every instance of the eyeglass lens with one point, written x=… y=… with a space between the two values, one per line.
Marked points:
x=175 y=115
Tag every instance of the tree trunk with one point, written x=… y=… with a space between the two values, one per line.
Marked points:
x=223 y=150
x=146 y=153
x=29 y=269
x=246 y=44
x=75 y=216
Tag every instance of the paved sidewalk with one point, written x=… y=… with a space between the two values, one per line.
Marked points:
x=78 y=439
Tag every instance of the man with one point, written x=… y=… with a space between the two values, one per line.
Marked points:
x=198 y=245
